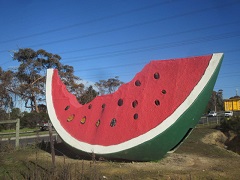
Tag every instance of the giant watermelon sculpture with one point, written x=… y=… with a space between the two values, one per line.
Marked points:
x=143 y=119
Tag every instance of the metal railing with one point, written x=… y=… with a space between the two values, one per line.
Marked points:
x=205 y=120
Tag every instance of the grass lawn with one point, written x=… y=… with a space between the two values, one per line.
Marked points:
x=23 y=132
x=201 y=156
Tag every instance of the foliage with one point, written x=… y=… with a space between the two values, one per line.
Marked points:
x=15 y=113
x=27 y=82
x=231 y=124
x=108 y=86
x=31 y=120
x=215 y=102
x=42 y=108
x=77 y=89
x=88 y=95
x=5 y=81
x=29 y=78
x=3 y=116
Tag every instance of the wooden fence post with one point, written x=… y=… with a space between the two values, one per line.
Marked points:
x=51 y=145
x=17 y=132
x=17 y=122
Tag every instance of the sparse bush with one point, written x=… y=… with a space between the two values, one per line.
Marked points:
x=30 y=120
x=3 y=116
x=231 y=124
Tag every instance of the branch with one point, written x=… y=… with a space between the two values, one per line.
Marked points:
x=18 y=93
x=37 y=79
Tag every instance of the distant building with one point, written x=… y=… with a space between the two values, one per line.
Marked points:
x=232 y=104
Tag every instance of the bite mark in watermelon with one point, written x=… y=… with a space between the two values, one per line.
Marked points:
x=144 y=118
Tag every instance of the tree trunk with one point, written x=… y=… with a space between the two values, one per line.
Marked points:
x=35 y=104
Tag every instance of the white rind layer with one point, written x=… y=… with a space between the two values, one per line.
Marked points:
x=99 y=149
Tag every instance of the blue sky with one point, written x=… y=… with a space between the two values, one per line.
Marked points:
x=108 y=38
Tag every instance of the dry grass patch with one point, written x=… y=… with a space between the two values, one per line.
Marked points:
x=201 y=156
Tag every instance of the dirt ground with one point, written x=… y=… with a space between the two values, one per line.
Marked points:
x=216 y=163
x=203 y=155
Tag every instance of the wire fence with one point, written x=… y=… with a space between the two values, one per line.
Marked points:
x=211 y=120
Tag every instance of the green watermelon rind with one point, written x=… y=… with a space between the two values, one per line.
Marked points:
x=157 y=142
x=157 y=148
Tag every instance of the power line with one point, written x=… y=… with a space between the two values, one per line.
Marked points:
x=134 y=64
x=155 y=47
x=226 y=35
x=138 y=24
x=90 y=21
x=108 y=67
x=233 y=73
x=131 y=73
x=228 y=76
x=227 y=87
x=134 y=25
x=153 y=37
x=166 y=45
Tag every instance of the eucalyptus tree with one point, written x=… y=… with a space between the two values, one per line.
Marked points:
x=5 y=95
x=30 y=76
x=108 y=86
x=216 y=102
x=88 y=95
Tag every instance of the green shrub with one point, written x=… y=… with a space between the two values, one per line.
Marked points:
x=30 y=120
x=231 y=124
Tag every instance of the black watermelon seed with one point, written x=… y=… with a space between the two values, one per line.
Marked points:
x=157 y=102
x=135 y=116
x=137 y=83
x=66 y=108
x=120 y=102
x=113 y=122
x=156 y=75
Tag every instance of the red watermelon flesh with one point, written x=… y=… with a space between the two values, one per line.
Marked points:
x=135 y=108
